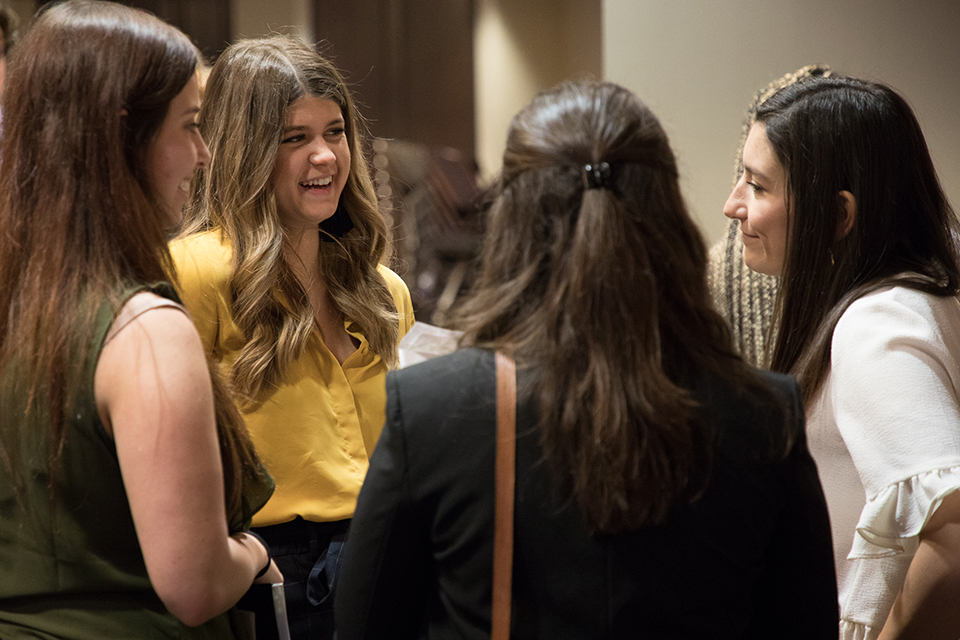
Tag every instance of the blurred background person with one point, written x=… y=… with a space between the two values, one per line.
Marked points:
x=126 y=475
x=663 y=486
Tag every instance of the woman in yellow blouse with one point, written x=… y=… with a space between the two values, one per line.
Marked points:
x=279 y=264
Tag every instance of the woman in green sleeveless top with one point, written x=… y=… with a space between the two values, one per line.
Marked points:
x=126 y=475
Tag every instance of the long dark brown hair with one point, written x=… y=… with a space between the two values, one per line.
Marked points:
x=85 y=93
x=601 y=294
x=844 y=134
x=246 y=99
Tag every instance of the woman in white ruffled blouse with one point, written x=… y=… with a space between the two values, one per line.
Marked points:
x=839 y=197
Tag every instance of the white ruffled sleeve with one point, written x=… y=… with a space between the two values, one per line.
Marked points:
x=895 y=385
x=891 y=521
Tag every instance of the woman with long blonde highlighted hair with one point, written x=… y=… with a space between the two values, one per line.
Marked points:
x=280 y=262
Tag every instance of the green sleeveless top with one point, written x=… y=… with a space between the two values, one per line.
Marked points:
x=70 y=563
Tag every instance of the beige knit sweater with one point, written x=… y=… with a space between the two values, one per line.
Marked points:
x=743 y=297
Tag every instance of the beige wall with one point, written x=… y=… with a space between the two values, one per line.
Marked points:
x=522 y=48
x=253 y=18
x=24 y=10
x=698 y=63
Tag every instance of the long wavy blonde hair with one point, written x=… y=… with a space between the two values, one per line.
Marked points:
x=245 y=103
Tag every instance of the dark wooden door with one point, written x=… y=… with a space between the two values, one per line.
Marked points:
x=207 y=22
x=410 y=63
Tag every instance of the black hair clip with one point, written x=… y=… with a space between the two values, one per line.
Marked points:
x=597 y=176
x=336 y=226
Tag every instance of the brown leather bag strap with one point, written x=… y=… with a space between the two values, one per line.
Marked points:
x=503 y=509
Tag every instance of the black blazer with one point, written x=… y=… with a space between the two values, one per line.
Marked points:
x=751 y=559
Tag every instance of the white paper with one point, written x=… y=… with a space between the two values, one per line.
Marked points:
x=425 y=341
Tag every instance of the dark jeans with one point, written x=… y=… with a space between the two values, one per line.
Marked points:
x=308 y=555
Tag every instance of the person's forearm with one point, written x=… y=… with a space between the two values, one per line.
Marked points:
x=216 y=583
x=927 y=605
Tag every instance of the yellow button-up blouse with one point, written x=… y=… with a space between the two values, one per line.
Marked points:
x=316 y=429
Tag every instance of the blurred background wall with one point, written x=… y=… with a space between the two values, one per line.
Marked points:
x=451 y=73
x=521 y=48
x=698 y=63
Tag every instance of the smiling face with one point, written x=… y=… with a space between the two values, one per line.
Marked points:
x=759 y=202
x=177 y=151
x=312 y=164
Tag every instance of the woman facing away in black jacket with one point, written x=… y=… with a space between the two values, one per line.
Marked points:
x=663 y=486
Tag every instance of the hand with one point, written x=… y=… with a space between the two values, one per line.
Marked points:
x=272 y=576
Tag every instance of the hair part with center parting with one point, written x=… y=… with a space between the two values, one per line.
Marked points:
x=844 y=134
x=245 y=104
x=601 y=296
